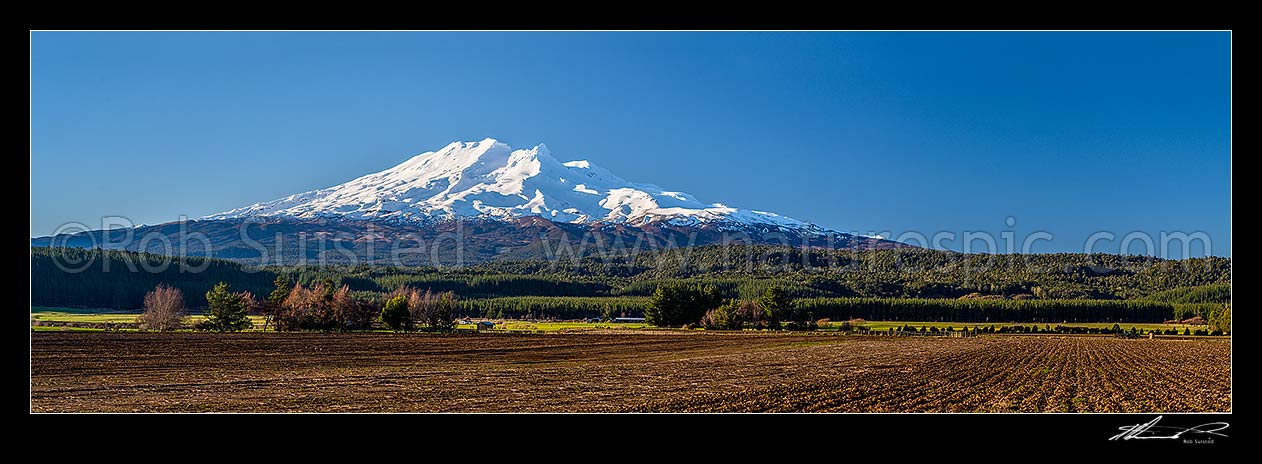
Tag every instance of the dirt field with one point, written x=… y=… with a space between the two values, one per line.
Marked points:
x=623 y=372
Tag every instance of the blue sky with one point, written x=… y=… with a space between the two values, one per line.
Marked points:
x=1068 y=133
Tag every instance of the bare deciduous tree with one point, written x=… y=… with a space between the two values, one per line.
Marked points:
x=294 y=309
x=164 y=309
x=434 y=310
x=366 y=311
x=320 y=310
x=421 y=305
x=747 y=312
x=252 y=304
x=344 y=308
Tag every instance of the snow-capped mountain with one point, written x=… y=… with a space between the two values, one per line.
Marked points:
x=489 y=179
x=469 y=202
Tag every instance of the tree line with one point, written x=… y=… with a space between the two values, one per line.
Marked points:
x=593 y=287
x=323 y=307
x=692 y=305
x=1213 y=293
x=998 y=310
x=227 y=311
x=880 y=273
x=548 y=307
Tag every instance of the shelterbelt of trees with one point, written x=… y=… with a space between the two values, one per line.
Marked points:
x=903 y=284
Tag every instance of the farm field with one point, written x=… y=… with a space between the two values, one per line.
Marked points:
x=886 y=325
x=623 y=371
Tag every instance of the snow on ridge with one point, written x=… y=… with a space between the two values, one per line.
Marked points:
x=489 y=179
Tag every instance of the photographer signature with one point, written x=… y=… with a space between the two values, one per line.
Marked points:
x=1151 y=431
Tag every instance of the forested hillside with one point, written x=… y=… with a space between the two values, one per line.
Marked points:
x=119 y=279
x=833 y=283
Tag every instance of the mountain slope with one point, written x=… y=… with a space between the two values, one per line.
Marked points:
x=488 y=179
x=465 y=203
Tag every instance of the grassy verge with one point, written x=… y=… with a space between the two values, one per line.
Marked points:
x=549 y=326
x=98 y=316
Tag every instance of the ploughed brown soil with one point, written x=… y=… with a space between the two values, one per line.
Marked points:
x=622 y=372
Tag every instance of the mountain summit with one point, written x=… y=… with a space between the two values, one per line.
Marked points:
x=489 y=179
x=469 y=202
